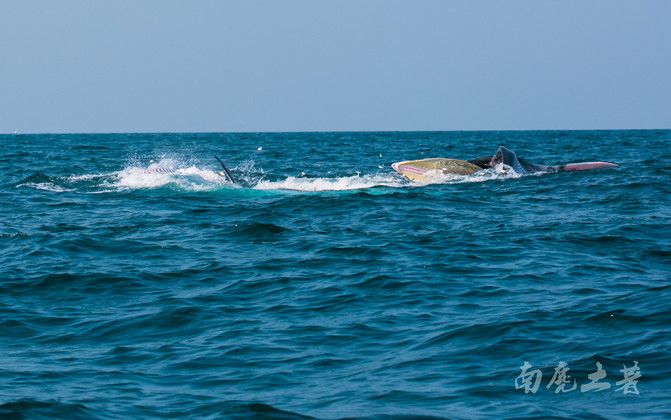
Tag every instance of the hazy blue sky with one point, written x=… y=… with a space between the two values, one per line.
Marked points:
x=161 y=65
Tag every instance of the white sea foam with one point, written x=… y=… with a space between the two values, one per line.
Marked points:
x=392 y=180
x=169 y=172
x=354 y=182
x=45 y=186
x=88 y=177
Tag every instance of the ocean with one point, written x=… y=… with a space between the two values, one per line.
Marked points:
x=135 y=282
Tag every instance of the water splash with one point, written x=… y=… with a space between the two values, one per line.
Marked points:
x=169 y=172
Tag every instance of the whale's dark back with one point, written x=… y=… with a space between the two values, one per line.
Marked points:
x=519 y=165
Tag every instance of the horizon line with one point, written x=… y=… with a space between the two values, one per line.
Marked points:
x=16 y=133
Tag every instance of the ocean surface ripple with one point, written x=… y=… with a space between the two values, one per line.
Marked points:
x=135 y=282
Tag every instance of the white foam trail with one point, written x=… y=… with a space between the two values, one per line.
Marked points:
x=45 y=186
x=354 y=182
x=88 y=177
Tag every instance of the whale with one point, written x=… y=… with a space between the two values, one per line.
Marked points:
x=424 y=170
x=509 y=158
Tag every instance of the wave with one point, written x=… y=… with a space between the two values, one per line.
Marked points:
x=50 y=409
x=45 y=186
x=41 y=181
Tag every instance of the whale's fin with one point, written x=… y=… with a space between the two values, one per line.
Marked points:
x=226 y=172
x=509 y=158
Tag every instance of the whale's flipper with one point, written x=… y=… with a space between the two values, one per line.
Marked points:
x=226 y=172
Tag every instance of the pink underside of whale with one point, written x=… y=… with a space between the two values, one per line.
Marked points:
x=586 y=166
x=413 y=169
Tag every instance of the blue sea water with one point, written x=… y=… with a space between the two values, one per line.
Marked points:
x=136 y=283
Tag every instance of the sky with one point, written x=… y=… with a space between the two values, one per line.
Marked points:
x=318 y=65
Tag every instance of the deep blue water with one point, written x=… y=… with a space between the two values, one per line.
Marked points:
x=135 y=283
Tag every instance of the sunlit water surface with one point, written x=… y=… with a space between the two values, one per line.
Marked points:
x=136 y=282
